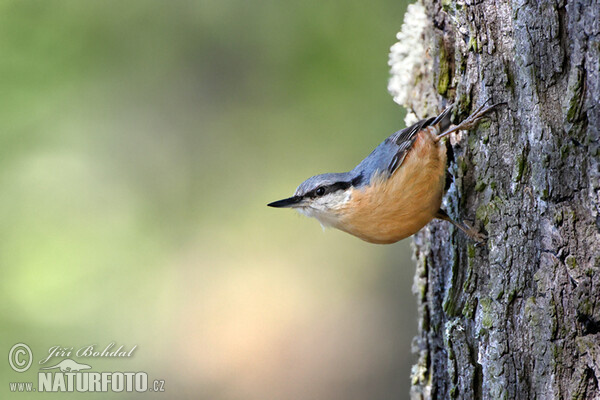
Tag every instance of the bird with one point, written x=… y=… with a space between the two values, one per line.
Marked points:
x=392 y=193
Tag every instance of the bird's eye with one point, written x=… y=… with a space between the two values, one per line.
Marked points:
x=320 y=191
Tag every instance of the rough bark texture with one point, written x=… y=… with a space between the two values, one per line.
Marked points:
x=519 y=317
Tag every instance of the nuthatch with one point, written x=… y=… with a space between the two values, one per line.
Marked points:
x=394 y=192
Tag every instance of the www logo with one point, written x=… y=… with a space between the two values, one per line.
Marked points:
x=21 y=387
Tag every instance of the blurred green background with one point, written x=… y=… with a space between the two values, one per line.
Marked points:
x=140 y=142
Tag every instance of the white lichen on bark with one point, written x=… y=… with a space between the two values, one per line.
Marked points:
x=409 y=62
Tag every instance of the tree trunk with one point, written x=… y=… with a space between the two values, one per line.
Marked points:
x=519 y=317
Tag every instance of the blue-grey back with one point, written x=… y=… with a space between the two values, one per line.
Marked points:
x=385 y=159
x=377 y=162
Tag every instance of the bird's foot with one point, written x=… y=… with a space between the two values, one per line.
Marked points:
x=465 y=227
x=472 y=120
x=479 y=237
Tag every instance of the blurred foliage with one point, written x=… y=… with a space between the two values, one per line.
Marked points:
x=139 y=144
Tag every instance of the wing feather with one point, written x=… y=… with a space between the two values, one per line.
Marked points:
x=407 y=136
x=391 y=153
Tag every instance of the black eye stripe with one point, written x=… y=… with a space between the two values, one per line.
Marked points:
x=357 y=181
x=334 y=187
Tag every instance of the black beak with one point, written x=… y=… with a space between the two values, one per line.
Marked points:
x=286 y=203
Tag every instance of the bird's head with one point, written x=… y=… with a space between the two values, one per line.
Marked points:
x=323 y=197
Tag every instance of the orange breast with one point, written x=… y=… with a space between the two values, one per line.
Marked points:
x=392 y=209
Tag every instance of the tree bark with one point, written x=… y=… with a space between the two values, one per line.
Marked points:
x=519 y=317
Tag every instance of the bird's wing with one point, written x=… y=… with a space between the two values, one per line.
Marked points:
x=389 y=155
x=405 y=138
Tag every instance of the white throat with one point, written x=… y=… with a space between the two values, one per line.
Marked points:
x=326 y=209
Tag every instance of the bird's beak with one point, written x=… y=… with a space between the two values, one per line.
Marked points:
x=290 y=202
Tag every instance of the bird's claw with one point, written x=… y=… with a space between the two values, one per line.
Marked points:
x=472 y=120
x=477 y=236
